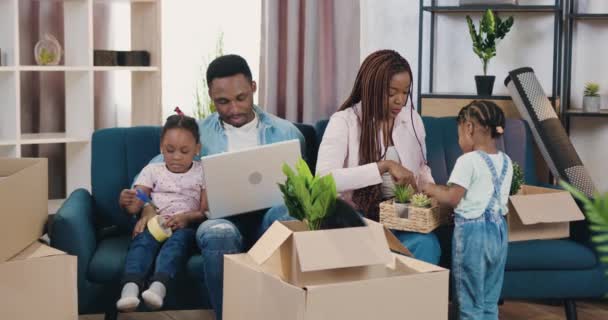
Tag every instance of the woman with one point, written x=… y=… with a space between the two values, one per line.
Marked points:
x=376 y=140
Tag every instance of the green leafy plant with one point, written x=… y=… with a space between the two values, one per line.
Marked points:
x=518 y=179
x=596 y=210
x=46 y=56
x=491 y=29
x=204 y=105
x=403 y=194
x=420 y=200
x=308 y=198
x=592 y=89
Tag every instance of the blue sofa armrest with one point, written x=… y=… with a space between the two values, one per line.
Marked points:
x=73 y=231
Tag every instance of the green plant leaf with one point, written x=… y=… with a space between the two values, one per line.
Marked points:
x=517 y=180
x=600 y=238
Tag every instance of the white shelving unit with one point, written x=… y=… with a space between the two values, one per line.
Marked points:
x=78 y=71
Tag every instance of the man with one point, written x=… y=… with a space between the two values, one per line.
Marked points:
x=236 y=125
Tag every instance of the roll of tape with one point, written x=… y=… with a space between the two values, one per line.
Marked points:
x=158 y=230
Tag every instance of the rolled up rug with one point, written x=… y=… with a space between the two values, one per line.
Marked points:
x=549 y=133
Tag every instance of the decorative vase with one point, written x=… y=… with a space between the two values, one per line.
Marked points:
x=402 y=210
x=47 y=51
x=591 y=103
x=485 y=85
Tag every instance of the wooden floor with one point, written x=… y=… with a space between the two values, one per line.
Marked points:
x=509 y=311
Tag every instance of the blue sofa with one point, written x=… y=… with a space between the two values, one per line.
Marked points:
x=94 y=228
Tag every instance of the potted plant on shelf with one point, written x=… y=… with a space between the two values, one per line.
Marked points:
x=491 y=29
x=403 y=194
x=591 y=98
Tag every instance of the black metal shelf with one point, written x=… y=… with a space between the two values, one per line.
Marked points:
x=497 y=8
x=431 y=9
x=572 y=18
x=583 y=113
x=461 y=96
x=589 y=16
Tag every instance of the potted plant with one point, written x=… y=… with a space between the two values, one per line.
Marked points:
x=518 y=179
x=403 y=194
x=420 y=200
x=308 y=198
x=491 y=29
x=591 y=97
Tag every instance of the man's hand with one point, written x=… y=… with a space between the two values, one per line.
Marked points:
x=129 y=201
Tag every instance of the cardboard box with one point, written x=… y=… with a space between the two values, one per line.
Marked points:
x=293 y=273
x=39 y=283
x=23 y=203
x=541 y=213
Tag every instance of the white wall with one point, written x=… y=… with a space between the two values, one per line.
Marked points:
x=394 y=24
x=190 y=29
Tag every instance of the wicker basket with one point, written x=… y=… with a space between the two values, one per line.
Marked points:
x=423 y=220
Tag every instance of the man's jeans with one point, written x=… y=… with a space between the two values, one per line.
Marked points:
x=235 y=234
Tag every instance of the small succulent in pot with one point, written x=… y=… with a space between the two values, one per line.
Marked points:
x=403 y=195
x=591 y=98
x=420 y=200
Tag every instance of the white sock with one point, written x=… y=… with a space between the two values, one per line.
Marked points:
x=128 y=298
x=154 y=296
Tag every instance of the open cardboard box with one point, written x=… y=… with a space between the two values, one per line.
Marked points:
x=23 y=203
x=39 y=283
x=350 y=273
x=541 y=213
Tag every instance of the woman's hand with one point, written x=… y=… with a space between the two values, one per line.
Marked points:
x=400 y=174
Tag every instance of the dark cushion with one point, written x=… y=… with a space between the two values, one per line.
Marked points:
x=312 y=144
x=550 y=255
x=114 y=165
x=108 y=262
x=194 y=267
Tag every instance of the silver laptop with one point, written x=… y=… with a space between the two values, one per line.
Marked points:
x=247 y=180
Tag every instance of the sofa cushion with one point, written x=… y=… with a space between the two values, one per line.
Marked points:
x=108 y=262
x=550 y=255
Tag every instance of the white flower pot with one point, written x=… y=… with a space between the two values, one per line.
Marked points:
x=402 y=210
x=591 y=104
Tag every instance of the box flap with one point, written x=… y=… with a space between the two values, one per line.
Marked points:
x=341 y=248
x=37 y=250
x=10 y=166
x=23 y=203
x=395 y=245
x=250 y=293
x=417 y=265
x=272 y=240
x=543 y=205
